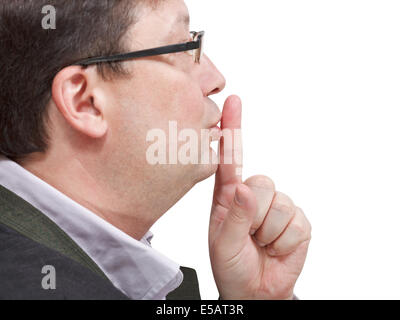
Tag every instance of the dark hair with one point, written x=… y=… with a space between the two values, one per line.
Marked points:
x=31 y=56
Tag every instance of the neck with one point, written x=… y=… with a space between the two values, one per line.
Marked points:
x=132 y=208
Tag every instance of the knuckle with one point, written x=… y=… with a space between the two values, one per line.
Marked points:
x=301 y=229
x=300 y=211
x=283 y=203
x=262 y=182
x=307 y=223
x=309 y=227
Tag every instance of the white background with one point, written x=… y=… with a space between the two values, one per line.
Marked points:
x=320 y=83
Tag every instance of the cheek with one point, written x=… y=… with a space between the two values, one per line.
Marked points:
x=186 y=104
x=158 y=98
x=173 y=95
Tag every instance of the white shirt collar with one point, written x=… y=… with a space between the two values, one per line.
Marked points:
x=133 y=266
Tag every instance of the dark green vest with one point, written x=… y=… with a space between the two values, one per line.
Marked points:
x=24 y=219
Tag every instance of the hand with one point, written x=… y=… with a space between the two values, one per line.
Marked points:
x=258 y=238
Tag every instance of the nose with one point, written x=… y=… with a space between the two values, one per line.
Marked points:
x=212 y=80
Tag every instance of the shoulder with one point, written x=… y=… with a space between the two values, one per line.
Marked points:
x=23 y=260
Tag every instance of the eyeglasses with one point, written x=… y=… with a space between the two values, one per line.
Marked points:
x=194 y=48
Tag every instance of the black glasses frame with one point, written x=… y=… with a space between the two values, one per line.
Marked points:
x=196 y=44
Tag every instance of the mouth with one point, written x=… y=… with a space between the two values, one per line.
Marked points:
x=215 y=130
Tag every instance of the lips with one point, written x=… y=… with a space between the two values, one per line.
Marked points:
x=215 y=130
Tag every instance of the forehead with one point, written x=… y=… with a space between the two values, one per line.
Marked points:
x=175 y=8
x=157 y=22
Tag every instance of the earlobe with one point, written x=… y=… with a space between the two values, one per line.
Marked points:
x=74 y=93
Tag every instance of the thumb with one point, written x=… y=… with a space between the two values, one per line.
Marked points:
x=235 y=229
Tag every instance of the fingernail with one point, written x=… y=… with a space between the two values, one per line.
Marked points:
x=239 y=196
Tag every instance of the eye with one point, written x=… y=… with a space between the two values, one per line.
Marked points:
x=189 y=38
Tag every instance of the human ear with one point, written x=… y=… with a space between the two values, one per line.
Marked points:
x=78 y=98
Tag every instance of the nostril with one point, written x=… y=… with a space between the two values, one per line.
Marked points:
x=215 y=91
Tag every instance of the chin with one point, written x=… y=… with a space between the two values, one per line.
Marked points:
x=204 y=171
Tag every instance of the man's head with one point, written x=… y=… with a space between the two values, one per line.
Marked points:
x=95 y=120
x=32 y=56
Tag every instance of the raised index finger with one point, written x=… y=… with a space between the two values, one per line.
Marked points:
x=230 y=148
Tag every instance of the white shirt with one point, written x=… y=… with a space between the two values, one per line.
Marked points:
x=134 y=267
